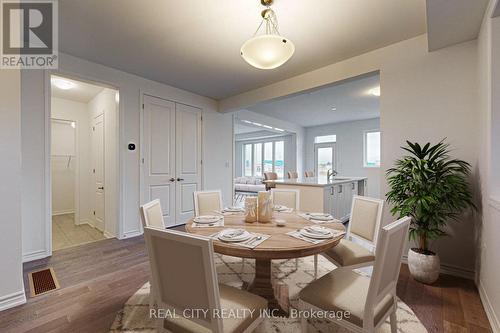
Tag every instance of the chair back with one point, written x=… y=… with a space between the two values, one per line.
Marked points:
x=270 y=176
x=309 y=174
x=207 y=202
x=288 y=198
x=390 y=248
x=152 y=215
x=366 y=214
x=292 y=174
x=183 y=273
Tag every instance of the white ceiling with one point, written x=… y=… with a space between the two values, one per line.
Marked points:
x=194 y=45
x=452 y=22
x=351 y=98
x=81 y=92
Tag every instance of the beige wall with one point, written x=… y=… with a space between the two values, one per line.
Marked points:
x=425 y=97
x=11 y=287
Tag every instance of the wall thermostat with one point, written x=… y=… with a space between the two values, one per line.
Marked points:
x=131 y=146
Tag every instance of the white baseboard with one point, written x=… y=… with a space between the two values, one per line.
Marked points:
x=488 y=308
x=130 y=234
x=451 y=270
x=62 y=212
x=12 y=300
x=35 y=255
x=108 y=235
x=84 y=221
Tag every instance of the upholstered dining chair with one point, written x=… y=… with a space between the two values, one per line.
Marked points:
x=270 y=176
x=288 y=198
x=207 y=202
x=185 y=277
x=210 y=203
x=152 y=215
x=309 y=174
x=292 y=174
x=364 y=224
x=369 y=301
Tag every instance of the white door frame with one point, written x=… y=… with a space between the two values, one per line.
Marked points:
x=47 y=150
x=141 y=141
x=333 y=145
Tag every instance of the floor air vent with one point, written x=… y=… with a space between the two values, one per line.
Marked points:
x=42 y=281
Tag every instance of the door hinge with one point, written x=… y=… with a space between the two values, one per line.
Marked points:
x=201 y=161
x=94 y=212
x=93 y=170
x=142 y=160
x=93 y=128
x=142 y=105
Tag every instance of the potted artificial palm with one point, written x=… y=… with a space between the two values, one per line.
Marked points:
x=433 y=189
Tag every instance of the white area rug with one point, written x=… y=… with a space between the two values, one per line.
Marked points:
x=135 y=315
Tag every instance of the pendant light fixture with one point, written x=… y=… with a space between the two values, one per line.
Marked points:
x=269 y=50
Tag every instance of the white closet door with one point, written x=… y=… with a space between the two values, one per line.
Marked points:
x=98 y=170
x=159 y=155
x=188 y=159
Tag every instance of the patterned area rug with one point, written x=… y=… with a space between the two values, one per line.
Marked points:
x=134 y=317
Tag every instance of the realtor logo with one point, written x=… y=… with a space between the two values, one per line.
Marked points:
x=29 y=34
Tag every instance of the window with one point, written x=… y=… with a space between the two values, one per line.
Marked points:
x=372 y=149
x=257 y=156
x=325 y=139
x=248 y=160
x=268 y=157
x=279 y=158
x=260 y=157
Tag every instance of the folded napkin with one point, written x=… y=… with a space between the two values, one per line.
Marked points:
x=231 y=233
x=298 y=235
x=318 y=230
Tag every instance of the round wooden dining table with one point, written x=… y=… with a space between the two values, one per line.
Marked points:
x=278 y=246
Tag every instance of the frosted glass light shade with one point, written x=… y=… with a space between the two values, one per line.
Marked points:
x=267 y=51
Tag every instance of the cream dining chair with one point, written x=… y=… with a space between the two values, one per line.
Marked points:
x=210 y=203
x=184 y=276
x=207 y=202
x=364 y=224
x=369 y=301
x=292 y=174
x=288 y=198
x=152 y=215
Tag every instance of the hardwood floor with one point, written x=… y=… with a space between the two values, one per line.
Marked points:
x=97 y=278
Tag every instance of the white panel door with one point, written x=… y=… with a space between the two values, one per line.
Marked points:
x=98 y=171
x=159 y=155
x=188 y=159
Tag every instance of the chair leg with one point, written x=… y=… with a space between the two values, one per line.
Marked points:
x=242 y=265
x=394 y=322
x=315 y=266
x=303 y=325
x=297 y=264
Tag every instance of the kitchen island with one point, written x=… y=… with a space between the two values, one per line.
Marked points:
x=320 y=195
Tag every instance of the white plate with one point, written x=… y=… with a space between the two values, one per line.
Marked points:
x=315 y=235
x=233 y=209
x=207 y=219
x=320 y=216
x=280 y=208
x=240 y=238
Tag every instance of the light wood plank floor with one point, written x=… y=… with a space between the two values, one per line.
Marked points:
x=66 y=234
x=97 y=279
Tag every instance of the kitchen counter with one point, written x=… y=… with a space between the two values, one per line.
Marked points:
x=318 y=195
x=313 y=181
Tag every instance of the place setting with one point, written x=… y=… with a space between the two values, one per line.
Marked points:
x=319 y=218
x=240 y=237
x=315 y=234
x=282 y=209
x=208 y=221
